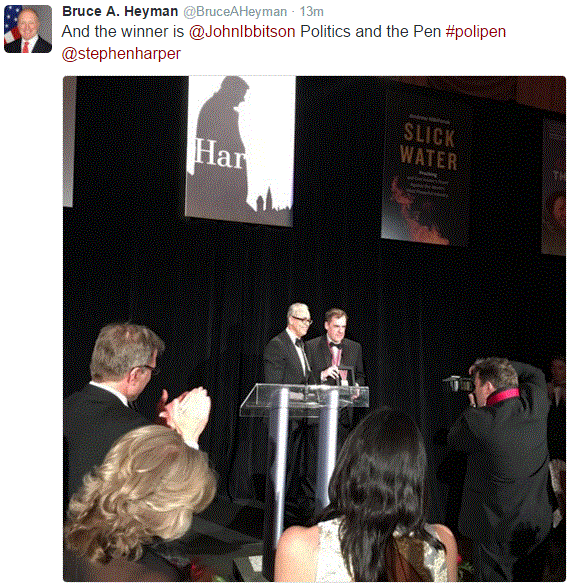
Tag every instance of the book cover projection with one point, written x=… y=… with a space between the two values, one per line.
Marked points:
x=427 y=158
x=240 y=148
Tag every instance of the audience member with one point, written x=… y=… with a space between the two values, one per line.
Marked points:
x=505 y=509
x=374 y=528
x=557 y=431
x=148 y=486
x=122 y=363
x=556 y=434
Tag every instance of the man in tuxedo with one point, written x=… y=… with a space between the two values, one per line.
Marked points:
x=328 y=352
x=505 y=509
x=122 y=363
x=284 y=358
x=285 y=362
x=331 y=350
x=30 y=41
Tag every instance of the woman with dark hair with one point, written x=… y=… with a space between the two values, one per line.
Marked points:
x=373 y=528
x=147 y=488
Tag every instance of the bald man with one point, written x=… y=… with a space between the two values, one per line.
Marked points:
x=30 y=41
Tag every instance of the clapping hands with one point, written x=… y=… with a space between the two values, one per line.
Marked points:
x=188 y=414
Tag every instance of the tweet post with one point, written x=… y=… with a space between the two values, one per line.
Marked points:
x=115 y=114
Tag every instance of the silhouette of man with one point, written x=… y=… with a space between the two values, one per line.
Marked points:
x=220 y=170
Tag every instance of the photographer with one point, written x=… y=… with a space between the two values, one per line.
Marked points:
x=505 y=509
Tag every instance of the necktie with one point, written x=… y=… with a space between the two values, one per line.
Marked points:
x=25 y=50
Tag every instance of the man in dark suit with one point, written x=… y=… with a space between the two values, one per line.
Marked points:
x=327 y=352
x=122 y=363
x=284 y=358
x=30 y=41
x=285 y=362
x=505 y=509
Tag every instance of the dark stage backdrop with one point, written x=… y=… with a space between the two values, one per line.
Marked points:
x=218 y=291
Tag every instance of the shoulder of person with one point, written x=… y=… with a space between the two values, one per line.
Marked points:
x=300 y=539
x=276 y=341
x=297 y=552
x=444 y=534
x=12 y=45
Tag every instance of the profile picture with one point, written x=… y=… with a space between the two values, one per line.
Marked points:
x=27 y=28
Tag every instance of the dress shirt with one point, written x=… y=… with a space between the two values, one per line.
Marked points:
x=122 y=398
x=31 y=44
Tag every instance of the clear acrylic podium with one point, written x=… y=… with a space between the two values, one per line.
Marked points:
x=281 y=402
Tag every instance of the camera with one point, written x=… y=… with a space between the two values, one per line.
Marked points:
x=460 y=384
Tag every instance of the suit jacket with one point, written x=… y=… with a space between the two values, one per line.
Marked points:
x=320 y=358
x=93 y=419
x=505 y=500
x=281 y=362
x=41 y=46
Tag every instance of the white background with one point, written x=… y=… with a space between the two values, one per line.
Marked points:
x=267 y=127
x=31 y=236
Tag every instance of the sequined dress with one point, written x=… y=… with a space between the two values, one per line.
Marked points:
x=429 y=563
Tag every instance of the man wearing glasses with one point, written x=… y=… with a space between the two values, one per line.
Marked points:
x=122 y=364
x=285 y=362
x=284 y=358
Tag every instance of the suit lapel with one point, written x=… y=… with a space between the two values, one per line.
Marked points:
x=344 y=358
x=326 y=355
x=289 y=345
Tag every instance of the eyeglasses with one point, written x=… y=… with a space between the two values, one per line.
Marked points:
x=304 y=320
x=154 y=370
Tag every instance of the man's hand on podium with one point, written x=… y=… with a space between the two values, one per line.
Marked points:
x=330 y=372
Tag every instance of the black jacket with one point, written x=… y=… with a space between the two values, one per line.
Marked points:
x=505 y=498
x=320 y=358
x=93 y=419
x=281 y=362
x=41 y=46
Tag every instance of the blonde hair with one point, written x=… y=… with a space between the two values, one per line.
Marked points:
x=149 y=485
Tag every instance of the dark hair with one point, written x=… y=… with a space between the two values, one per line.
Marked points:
x=378 y=486
x=496 y=370
x=334 y=313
